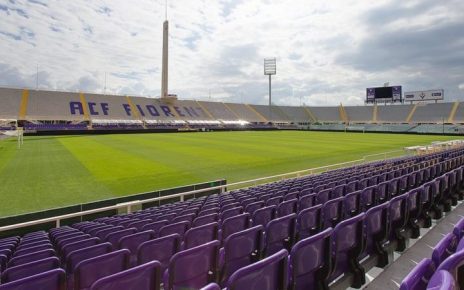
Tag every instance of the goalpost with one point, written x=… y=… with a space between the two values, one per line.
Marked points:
x=18 y=133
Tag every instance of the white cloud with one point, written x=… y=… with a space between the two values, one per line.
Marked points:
x=217 y=47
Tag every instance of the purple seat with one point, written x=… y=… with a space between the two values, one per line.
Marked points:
x=368 y=197
x=376 y=225
x=75 y=257
x=234 y=224
x=309 y=262
x=231 y=212
x=442 y=280
x=132 y=242
x=398 y=212
x=332 y=212
x=291 y=195
x=276 y=200
x=200 y=235
x=50 y=280
x=309 y=222
x=287 y=207
x=64 y=242
x=78 y=245
x=155 y=226
x=139 y=224
x=184 y=218
x=206 y=219
x=280 y=234
x=160 y=249
x=27 y=258
x=444 y=248
x=458 y=229
x=25 y=251
x=143 y=277
x=263 y=215
x=208 y=212
x=29 y=269
x=240 y=249
x=114 y=237
x=252 y=207
x=101 y=234
x=414 y=211
x=352 y=204
x=419 y=277
x=347 y=244
x=323 y=196
x=306 y=201
x=177 y=228
x=90 y=270
x=267 y=274
x=192 y=268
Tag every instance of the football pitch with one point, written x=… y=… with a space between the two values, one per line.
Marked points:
x=49 y=172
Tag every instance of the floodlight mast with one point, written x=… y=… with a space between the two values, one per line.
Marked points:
x=270 y=68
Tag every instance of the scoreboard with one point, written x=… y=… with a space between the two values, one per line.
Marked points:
x=384 y=94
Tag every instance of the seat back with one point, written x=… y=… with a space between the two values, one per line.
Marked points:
x=155 y=226
x=29 y=269
x=309 y=222
x=160 y=249
x=50 y=280
x=241 y=249
x=444 y=248
x=200 y=235
x=347 y=245
x=376 y=229
x=90 y=270
x=114 y=237
x=309 y=262
x=419 y=277
x=442 y=280
x=287 y=207
x=332 y=212
x=143 y=277
x=78 y=245
x=280 y=234
x=234 y=224
x=31 y=257
x=75 y=257
x=176 y=228
x=263 y=215
x=193 y=268
x=352 y=204
x=269 y=273
x=206 y=219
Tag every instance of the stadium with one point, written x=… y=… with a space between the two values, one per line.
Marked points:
x=125 y=191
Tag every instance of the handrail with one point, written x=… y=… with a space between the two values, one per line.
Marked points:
x=130 y=204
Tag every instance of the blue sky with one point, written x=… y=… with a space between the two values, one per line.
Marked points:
x=327 y=51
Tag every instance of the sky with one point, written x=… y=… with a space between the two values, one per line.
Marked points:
x=328 y=52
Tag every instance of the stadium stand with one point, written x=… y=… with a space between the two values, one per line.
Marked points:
x=432 y=113
x=360 y=215
x=359 y=114
x=37 y=110
x=393 y=113
x=326 y=114
x=9 y=104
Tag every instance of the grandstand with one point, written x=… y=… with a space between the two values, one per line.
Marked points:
x=54 y=111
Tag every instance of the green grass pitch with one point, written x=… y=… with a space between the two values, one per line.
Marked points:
x=49 y=172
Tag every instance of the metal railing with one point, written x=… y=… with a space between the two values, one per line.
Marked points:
x=241 y=184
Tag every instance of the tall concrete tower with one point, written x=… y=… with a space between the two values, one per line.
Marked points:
x=164 y=76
